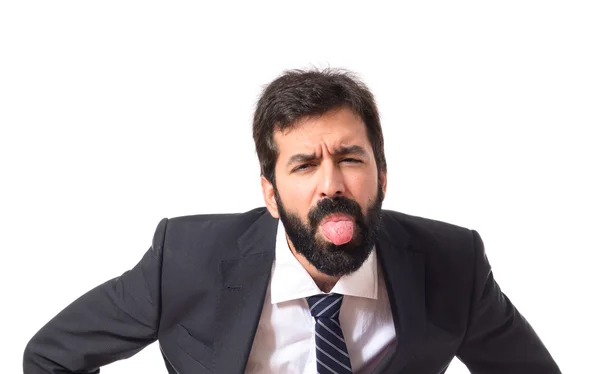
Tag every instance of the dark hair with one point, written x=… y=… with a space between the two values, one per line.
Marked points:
x=298 y=94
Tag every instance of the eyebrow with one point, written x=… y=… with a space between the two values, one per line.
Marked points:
x=344 y=150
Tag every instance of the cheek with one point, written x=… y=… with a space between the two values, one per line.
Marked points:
x=301 y=197
x=364 y=192
x=363 y=187
x=296 y=197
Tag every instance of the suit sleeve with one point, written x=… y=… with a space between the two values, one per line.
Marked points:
x=498 y=339
x=111 y=322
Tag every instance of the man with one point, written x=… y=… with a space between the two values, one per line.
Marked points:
x=321 y=280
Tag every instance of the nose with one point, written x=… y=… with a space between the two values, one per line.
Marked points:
x=331 y=181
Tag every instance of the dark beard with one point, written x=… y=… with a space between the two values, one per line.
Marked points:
x=328 y=258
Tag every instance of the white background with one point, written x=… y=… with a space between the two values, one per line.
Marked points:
x=116 y=114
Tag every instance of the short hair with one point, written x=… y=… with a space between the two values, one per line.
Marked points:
x=297 y=94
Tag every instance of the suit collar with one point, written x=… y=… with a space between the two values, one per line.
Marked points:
x=259 y=237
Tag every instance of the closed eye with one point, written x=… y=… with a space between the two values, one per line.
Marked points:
x=302 y=167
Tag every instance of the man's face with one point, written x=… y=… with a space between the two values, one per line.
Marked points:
x=327 y=191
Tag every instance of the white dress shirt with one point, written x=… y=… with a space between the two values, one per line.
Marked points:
x=285 y=338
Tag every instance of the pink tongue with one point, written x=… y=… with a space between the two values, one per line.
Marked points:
x=339 y=232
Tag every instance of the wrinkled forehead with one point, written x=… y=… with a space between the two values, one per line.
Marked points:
x=326 y=133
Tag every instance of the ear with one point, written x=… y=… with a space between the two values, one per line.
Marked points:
x=383 y=179
x=269 y=196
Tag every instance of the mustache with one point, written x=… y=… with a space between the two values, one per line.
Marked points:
x=329 y=206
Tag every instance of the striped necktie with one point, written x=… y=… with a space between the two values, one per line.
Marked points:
x=332 y=354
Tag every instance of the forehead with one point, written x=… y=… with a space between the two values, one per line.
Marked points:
x=336 y=128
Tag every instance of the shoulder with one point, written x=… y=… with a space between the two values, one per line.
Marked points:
x=206 y=238
x=420 y=225
x=428 y=235
x=211 y=227
x=219 y=219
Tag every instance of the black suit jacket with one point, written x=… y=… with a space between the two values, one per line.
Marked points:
x=200 y=288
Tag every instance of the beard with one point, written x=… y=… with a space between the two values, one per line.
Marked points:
x=327 y=257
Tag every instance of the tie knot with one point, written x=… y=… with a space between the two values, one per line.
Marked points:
x=325 y=306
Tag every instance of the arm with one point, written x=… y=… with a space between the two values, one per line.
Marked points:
x=113 y=321
x=498 y=339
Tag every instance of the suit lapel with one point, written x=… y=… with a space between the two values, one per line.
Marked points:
x=404 y=274
x=244 y=282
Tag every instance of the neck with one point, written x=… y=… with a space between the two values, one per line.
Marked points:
x=323 y=281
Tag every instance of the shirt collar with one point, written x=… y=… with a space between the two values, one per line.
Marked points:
x=290 y=281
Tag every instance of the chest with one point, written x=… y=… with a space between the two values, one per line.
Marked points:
x=285 y=337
